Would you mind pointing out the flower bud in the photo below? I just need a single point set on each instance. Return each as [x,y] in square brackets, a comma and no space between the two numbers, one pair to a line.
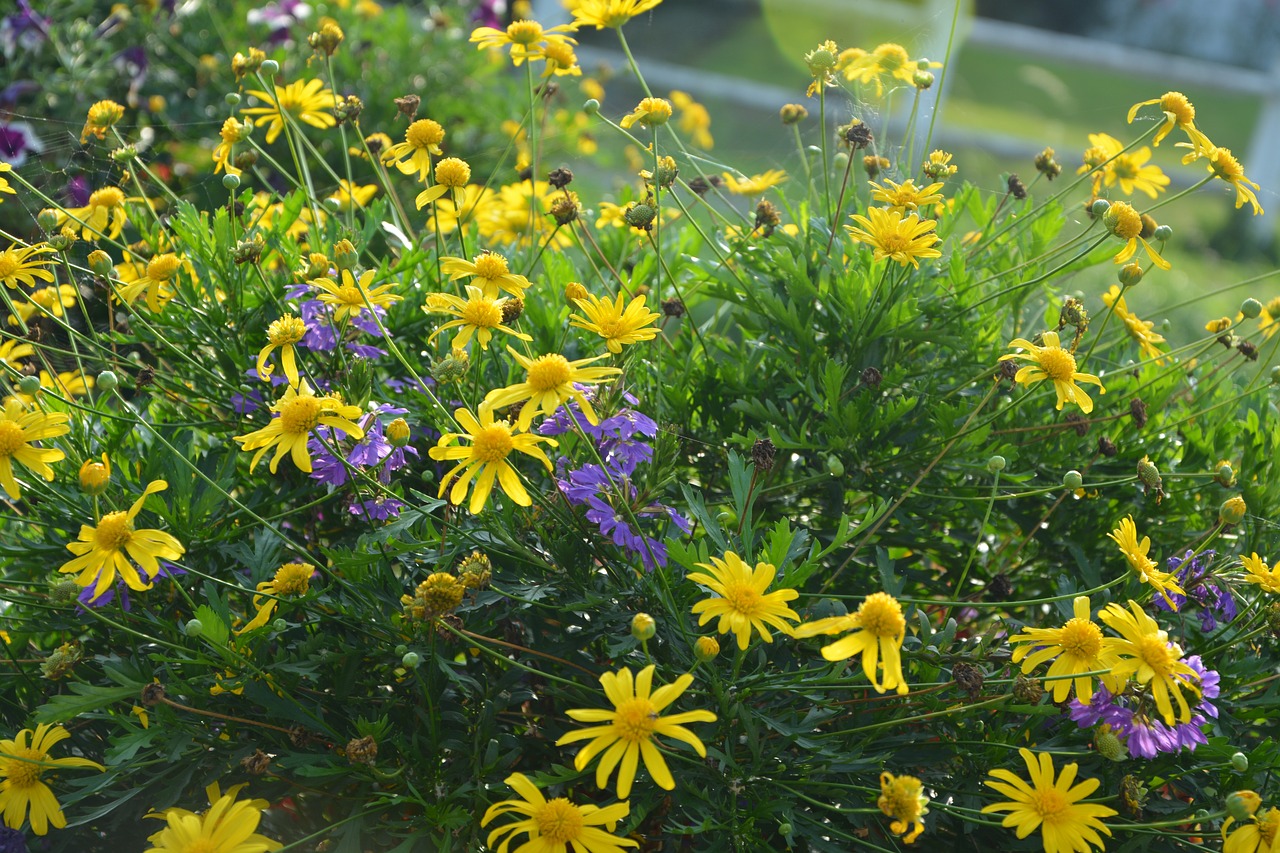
[29,384]
[922,80]
[232,99]
[1130,274]
[575,290]
[1233,510]
[194,628]
[401,649]
[1242,805]
[996,463]
[1100,206]
[231,182]
[100,262]
[643,626]
[398,432]
[344,255]
[269,68]
[411,660]
[834,466]
[1163,233]
[47,219]
[1108,745]
[95,476]
[279,625]
[591,106]
[1240,762]
[108,381]
[1250,308]
[705,649]
[1225,474]
[793,113]
[1072,480]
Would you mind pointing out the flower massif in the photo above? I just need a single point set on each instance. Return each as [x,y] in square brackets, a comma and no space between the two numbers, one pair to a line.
[298,412]
[23,762]
[551,826]
[877,630]
[1051,805]
[741,602]
[629,731]
[1051,361]
[485,459]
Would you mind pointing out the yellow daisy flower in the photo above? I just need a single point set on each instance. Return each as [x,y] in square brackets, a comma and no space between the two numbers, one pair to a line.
[413,156]
[1140,330]
[23,761]
[518,213]
[289,579]
[492,273]
[1256,835]
[1052,806]
[1269,319]
[18,428]
[4,182]
[741,601]
[102,116]
[349,194]
[905,241]
[14,349]
[465,205]
[44,302]
[309,102]
[1222,164]
[283,334]
[905,197]
[555,826]
[451,174]
[887,61]
[550,380]
[1053,362]
[526,38]
[1148,656]
[694,119]
[104,215]
[561,60]
[1260,573]
[232,132]
[477,315]
[486,459]
[903,799]
[1125,223]
[1078,647]
[22,265]
[1178,112]
[351,297]
[610,14]
[651,112]
[1126,536]
[101,550]
[155,280]
[754,185]
[1115,166]
[229,826]
[298,412]
[618,325]
[628,732]
[878,629]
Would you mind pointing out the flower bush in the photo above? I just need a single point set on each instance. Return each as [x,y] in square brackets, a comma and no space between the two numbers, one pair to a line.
[539,449]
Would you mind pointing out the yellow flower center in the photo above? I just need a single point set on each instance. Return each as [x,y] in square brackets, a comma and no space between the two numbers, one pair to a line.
[493,443]
[349,294]
[491,266]
[105,113]
[1267,827]
[106,197]
[743,599]
[292,579]
[482,313]
[162,267]
[1094,157]
[21,769]
[882,615]
[900,798]
[1123,221]
[286,331]
[203,845]
[1177,104]
[1059,364]
[1122,167]
[9,264]
[1048,803]
[1273,307]
[452,172]
[232,131]
[891,56]
[894,242]
[1226,166]
[1081,638]
[11,438]
[654,111]
[424,133]
[549,372]
[561,54]
[558,821]
[301,414]
[635,720]
[524,32]
[1155,653]
[94,476]
[114,531]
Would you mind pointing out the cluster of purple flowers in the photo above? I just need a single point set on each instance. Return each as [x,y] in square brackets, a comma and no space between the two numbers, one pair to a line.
[322,331]
[1145,736]
[606,489]
[371,452]
[1214,598]
[279,18]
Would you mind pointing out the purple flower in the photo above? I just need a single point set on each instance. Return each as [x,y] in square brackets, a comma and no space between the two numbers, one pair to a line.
[364,350]
[378,509]
[1213,597]
[17,140]
[243,404]
[326,467]
[78,191]
[86,599]
[12,841]
[279,17]
[24,29]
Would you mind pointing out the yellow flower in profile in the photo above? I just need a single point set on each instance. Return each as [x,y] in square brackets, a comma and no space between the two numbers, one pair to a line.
[616,323]
[555,826]
[351,297]
[939,165]
[231,133]
[561,60]
[741,601]
[550,381]
[888,61]
[526,38]
[1179,113]
[1140,330]
[1223,165]
[609,14]
[413,156]
[283,334]
[491,271]
[451,174]
[155,281]
[289,579]
[890,236]
[485,460]
[23,761]
[754,185]
[878,629]
[1126,536]
[4,182]
[1125,223]
[905,197]
[467,204]
[19,427]
[104,215]
[694,119]
[1115,166]
[903,799]
[229,826]
[309,102]
[101,550]
[298,412]
[627,732]
[478,315]
[1256,835]
[1076,649]
[12,350]
[349,194]
[1260,573]
[22,265]
[1052,806]
[1269,319]
[651,112]
[45,302]
[101,116]
[1051,361]
[1149,657]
